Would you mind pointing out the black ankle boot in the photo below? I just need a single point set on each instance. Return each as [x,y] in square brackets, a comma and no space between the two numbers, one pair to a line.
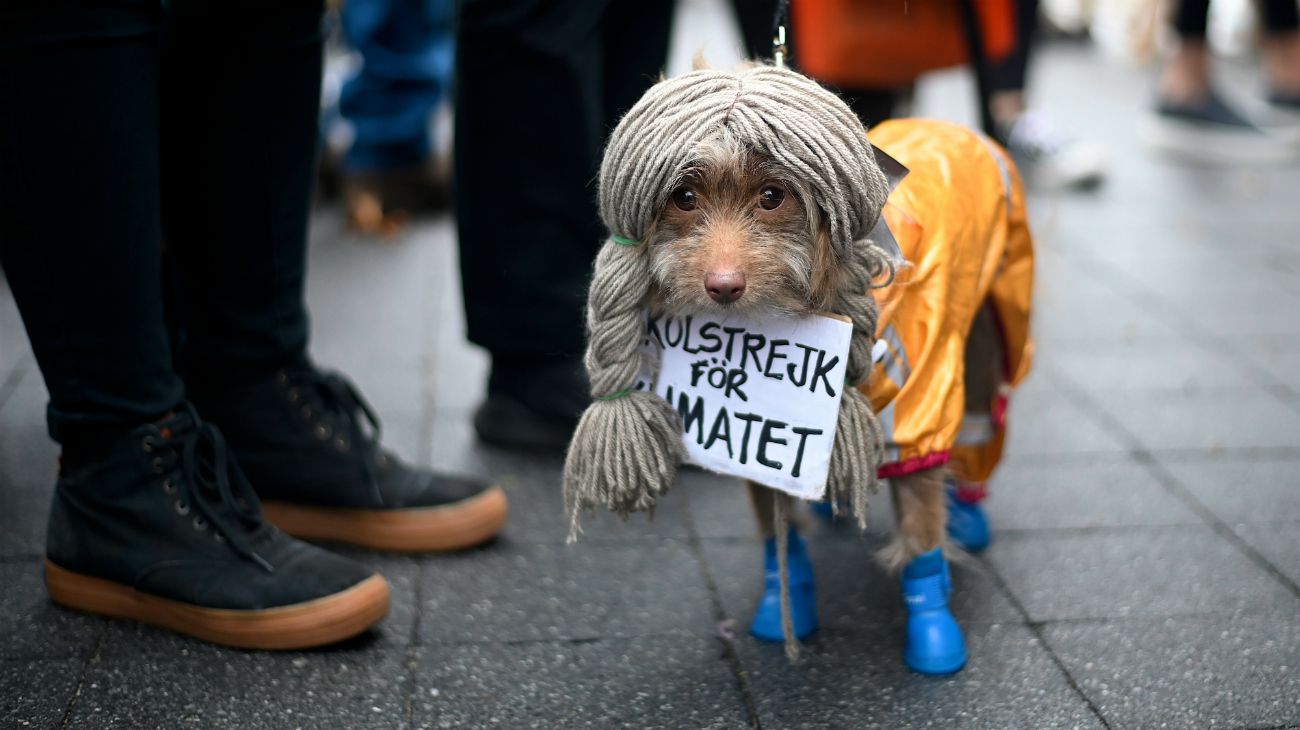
[310,446]
[159,525]
[533,403]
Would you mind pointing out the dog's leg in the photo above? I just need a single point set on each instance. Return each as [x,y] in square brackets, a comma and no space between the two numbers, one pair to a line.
[762,500]
[935,644]
[787,610]
[968,525]
[921,516]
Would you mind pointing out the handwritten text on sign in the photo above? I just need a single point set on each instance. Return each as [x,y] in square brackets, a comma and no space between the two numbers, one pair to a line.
[759,399]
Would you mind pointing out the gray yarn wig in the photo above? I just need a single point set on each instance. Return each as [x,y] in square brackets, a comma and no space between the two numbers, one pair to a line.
[627,447]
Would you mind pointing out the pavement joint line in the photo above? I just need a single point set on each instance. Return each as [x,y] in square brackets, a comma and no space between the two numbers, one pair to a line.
[720,615]
[1155,469]
[1036,629]
[1207,340]
[20,558]
[92,659]
[412,645]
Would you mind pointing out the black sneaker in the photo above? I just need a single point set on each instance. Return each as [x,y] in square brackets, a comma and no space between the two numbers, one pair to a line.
[310,446]
[1210,130]
[158,525]
[533,403]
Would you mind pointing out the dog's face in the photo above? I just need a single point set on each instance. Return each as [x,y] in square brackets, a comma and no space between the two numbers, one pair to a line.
[739,233]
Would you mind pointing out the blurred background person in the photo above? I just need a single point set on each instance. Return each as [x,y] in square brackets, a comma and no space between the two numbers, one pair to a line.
[1192,118]
[390,165]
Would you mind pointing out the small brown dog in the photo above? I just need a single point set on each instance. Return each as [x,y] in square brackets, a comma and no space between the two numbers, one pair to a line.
[736,237]
[738,234]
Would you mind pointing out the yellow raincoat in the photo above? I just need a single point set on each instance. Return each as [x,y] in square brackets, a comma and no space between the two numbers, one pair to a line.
[959,217]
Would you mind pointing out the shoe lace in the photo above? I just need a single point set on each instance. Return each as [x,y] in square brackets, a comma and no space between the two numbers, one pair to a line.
[338,404]
[212,483]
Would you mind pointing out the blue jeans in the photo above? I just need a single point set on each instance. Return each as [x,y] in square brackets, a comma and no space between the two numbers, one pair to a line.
[407,55]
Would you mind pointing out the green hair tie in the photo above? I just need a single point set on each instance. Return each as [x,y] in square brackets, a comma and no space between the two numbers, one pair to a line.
[615,396]
[624,240]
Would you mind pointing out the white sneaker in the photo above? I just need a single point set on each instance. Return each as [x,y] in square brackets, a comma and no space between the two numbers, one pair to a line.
[1049,157]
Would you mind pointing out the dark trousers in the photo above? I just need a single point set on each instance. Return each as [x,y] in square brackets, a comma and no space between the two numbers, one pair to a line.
[540,84]
[1191,17]
[122,127]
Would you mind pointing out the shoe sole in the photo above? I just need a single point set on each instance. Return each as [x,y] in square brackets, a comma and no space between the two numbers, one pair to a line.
[318,622]
[454,526]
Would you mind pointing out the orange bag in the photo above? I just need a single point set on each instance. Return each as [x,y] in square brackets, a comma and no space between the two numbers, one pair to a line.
[884,44]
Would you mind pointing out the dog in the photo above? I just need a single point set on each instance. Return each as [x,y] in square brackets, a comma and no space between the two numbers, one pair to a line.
[740,234]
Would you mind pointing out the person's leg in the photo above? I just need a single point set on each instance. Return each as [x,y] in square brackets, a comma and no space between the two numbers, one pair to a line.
[1008,76]
[79,233]
[407,52]
[539,85]
[238,154]
[1190,118]
[1281,45]
[1186,76]
[239,146]
[150,518]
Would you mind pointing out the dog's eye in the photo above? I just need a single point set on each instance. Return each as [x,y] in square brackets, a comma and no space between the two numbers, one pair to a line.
[770,197]
[684,198]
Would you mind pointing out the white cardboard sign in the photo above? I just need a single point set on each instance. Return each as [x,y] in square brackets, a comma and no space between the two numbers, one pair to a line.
[759,399]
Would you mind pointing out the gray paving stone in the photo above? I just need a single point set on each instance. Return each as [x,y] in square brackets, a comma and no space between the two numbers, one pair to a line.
[857,679]
[1085,310]
[208,687]
[1124,365]
[1045,422]
[853,590]
[33,627]
[1208,420]
[1108,491]
[1163,571]
[1186,673]
[1242,489]
[34,693]
[523,592]
[641,683]
[28,468]
[1278,542]
[14,347]
[1280,357]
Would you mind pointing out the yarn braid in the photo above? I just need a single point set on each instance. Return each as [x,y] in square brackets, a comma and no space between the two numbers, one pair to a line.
[627,446]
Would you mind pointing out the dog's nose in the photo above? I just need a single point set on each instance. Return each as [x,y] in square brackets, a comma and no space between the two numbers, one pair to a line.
[725,288]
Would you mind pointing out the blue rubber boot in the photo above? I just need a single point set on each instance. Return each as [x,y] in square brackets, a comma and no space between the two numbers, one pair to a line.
[803,593]
[824,510]
[968,526]
[935,644]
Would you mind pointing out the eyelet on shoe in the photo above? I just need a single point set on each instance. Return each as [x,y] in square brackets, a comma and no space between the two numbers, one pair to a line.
[294,395]
[182,508]
[306,413]
[323,431]
[146,443]
[282,378]
[342,444]
[200,524]
[157,465]
[168,487]
[218,537]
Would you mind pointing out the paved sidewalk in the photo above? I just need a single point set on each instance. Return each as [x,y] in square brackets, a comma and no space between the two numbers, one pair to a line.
[1144,573]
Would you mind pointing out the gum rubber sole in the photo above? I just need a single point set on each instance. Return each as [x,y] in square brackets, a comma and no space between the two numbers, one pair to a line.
[454,526]
[322,621]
